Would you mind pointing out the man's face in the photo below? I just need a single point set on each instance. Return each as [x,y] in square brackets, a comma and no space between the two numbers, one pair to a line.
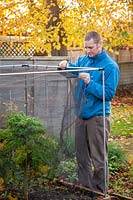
[92,48]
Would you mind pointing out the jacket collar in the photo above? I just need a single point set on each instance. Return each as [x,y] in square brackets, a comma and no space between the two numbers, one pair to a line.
[100,56]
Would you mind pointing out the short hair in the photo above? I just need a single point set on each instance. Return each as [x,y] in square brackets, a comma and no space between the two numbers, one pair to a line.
[92,35]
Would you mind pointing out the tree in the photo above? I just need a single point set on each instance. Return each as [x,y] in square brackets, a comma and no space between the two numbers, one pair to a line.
[51,26]
[55,26]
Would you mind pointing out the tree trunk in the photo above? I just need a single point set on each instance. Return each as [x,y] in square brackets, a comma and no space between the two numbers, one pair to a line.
[54,12]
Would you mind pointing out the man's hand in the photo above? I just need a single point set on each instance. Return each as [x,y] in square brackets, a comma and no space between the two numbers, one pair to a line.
[63,64]
[85,77]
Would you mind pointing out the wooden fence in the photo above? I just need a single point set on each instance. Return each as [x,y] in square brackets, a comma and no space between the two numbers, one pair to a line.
[126,68]
[30,94]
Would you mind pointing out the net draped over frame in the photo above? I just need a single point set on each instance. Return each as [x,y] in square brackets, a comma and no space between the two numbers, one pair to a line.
[47,96]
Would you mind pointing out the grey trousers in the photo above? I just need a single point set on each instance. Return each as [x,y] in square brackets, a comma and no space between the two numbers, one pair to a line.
[89,141]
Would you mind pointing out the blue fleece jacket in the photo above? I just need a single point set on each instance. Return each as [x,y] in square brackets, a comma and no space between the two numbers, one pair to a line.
[89,99]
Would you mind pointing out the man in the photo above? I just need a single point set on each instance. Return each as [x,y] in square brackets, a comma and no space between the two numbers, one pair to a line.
[89,131]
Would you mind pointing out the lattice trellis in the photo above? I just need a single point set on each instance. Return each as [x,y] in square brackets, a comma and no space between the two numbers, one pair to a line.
[15,49]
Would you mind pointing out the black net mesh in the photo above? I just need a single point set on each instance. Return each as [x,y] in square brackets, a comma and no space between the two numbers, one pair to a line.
[47,96]
[54,97]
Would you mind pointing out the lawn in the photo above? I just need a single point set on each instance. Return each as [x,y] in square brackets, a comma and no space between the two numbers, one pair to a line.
[122,123]
[122,120]
[122,134]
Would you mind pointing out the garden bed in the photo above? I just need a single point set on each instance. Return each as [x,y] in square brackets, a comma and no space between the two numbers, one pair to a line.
[62,190]
[120,184]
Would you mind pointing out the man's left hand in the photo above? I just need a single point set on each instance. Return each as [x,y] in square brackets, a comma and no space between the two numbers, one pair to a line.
[85,77]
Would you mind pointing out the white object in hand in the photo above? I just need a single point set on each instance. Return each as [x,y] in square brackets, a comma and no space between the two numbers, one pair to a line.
[63,64]
[85,76]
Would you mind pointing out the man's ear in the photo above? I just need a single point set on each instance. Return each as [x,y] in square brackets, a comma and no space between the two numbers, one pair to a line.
[100,43]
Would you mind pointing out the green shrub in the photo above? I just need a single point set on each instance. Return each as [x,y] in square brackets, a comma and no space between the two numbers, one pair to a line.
[25,151]
[68,147]
[68,170]
[116,157]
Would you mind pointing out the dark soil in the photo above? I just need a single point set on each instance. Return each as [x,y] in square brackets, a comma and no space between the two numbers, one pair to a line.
[57,191]
[60,191]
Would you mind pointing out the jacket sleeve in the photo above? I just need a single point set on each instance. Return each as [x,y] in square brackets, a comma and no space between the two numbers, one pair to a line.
[111,79]
[74,65]
[70,74]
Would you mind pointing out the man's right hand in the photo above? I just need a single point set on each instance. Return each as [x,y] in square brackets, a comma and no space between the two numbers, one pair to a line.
[63,64]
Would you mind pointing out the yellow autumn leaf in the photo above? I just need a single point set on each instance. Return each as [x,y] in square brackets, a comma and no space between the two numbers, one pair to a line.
[11,198]
[1,184]
[1,181]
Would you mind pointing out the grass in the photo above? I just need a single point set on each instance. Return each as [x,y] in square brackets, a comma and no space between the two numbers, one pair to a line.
[122,128]
[122,133]
[122,120]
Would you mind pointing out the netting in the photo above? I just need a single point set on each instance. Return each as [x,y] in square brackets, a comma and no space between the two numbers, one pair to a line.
[55,97]
[48,96]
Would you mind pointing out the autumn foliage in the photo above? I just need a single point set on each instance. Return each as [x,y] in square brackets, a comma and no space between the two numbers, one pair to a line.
[58,24]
